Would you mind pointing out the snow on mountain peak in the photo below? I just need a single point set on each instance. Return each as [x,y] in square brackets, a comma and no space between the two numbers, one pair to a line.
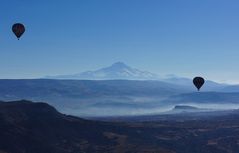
[119,65]
[118,70]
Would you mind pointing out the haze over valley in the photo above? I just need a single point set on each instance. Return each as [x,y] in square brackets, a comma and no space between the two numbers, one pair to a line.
[119,90]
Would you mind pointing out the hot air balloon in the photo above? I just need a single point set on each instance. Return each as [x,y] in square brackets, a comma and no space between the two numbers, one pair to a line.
[198,82]
[18,29]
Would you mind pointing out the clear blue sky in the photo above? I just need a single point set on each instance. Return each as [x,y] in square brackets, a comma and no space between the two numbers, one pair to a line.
[182,37]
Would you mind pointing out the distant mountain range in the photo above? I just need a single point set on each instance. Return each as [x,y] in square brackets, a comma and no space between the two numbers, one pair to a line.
[114,97]
[208,86]
[116,71]
[91,97]
[121,71]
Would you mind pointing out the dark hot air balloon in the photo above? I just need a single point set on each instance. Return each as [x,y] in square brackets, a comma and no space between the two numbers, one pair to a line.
[198,82]
[18,29]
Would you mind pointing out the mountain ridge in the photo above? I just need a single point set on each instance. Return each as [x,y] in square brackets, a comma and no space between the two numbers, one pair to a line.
[110,97]
[121,71]
[118,70]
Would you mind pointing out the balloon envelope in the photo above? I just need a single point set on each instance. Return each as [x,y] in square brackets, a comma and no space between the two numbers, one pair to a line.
[18,29]
[198,82]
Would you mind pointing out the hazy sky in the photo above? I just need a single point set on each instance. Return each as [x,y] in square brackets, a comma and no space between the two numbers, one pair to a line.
[182,37]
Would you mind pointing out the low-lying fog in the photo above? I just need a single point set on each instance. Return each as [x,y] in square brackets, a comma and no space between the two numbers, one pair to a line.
[107,107]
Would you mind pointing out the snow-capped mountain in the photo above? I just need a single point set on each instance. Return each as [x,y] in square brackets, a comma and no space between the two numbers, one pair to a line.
[118,70]
[121,71]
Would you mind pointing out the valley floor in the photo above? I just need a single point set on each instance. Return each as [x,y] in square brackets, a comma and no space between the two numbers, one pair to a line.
[27,127]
